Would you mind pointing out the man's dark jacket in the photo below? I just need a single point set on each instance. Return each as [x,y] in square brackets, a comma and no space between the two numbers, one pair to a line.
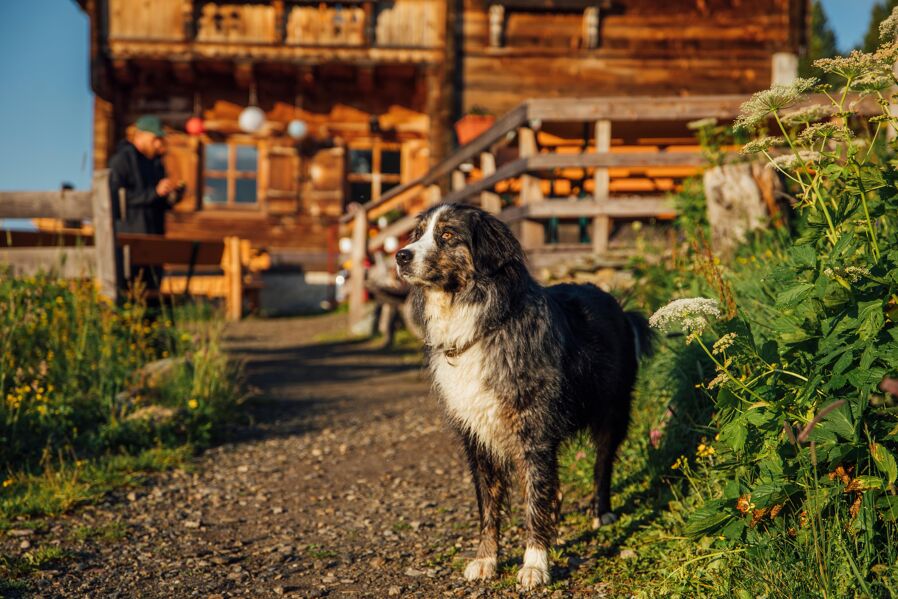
[137,175]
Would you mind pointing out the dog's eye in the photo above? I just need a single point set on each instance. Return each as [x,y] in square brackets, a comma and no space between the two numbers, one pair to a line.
[447,235]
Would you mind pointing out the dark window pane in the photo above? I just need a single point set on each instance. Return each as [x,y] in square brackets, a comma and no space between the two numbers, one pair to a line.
[245,192]
[359,161]
[359,192]
[215,191]
[247,158]
[390,162]
[386,186]
[217,157]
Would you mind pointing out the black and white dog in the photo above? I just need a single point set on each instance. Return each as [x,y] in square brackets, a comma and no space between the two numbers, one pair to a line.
[520,368]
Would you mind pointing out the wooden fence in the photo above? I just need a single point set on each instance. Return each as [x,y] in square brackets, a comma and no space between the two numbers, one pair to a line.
[109,257]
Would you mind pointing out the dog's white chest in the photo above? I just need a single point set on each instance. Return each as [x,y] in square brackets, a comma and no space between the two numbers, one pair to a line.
[470,403]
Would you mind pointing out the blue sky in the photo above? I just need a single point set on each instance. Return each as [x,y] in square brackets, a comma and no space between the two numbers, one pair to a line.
[45,98]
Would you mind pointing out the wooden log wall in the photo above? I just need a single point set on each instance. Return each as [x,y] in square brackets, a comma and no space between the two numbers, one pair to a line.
[644,47]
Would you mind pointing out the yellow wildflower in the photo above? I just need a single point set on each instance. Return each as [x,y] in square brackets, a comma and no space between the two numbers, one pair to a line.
[193,404]
[7,482]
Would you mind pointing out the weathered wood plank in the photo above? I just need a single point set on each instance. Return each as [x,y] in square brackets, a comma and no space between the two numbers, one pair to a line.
[626,207]
[605,159]
[65,262]
[66,205]
[148,250]
[104,236]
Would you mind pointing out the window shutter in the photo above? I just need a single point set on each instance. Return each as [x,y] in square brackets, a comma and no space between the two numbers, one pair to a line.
[323,191]
[181,162]
[281,179]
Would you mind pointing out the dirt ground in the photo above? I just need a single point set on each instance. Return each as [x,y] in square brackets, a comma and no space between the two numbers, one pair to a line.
[345,484]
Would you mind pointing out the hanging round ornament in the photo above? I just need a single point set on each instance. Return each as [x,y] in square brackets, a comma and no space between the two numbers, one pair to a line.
[297,129]
[251,119]
[195,126]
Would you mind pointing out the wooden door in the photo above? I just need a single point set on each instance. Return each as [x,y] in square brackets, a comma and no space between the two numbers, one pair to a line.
[280,178]
[181,165]
[323,189]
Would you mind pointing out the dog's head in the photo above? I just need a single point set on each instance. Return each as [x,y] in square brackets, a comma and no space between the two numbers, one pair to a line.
[453,245]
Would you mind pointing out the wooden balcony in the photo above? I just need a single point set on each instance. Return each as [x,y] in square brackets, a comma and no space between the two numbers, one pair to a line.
[278,30]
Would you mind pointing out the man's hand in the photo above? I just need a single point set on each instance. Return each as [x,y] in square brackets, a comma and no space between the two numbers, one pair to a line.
[164,187]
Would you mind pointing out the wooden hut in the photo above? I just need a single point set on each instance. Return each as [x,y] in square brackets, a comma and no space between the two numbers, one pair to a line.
[379,83]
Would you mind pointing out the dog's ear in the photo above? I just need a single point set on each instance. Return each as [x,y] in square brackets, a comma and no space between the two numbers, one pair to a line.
[492,243]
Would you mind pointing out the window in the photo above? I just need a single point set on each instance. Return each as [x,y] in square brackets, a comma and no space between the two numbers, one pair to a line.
[373,169]
[230,172]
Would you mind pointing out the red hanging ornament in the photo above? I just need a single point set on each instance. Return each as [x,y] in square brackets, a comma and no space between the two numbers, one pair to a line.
[195,126]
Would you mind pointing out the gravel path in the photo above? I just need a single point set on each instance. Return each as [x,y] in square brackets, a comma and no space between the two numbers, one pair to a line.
[346,484]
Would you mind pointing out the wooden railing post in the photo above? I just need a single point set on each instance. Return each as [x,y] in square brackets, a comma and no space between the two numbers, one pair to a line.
[357,272]
[601,225]
[532,232]
[104,236]
[458,180]
[489,201]
[434,195]
[233,270]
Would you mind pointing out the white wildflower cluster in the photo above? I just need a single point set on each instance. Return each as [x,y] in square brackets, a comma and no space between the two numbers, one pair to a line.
[702,123]
[761,144]
[849,273]
[692,314]
[888,29]
[718,380]
[819,131]
[764,103]
[722,344]
[793,161]
[808,114]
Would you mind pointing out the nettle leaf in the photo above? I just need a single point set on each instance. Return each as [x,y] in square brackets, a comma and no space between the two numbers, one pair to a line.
[803,256]
[794,294]
[885,461]
[709,518]
[871,317]
[838,422]
[866,380]
[734,434]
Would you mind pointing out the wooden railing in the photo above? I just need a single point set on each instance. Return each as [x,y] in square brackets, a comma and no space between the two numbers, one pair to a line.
[508,159]
[107,257]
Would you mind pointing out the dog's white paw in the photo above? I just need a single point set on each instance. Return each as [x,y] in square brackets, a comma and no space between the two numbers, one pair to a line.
[606,519]
[480,568]
[530,577]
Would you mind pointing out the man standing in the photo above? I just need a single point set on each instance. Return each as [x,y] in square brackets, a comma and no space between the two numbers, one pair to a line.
[141,193]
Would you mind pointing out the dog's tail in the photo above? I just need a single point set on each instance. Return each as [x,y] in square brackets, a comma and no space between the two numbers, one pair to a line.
[643,336]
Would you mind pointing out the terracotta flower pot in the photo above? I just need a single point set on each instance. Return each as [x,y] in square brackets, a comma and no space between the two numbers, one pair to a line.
[471,125]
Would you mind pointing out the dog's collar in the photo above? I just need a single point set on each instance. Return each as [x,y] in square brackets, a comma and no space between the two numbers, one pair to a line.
[455,350]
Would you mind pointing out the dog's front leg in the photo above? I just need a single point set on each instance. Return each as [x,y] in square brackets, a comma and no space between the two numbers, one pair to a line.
[540,471]
[489,483]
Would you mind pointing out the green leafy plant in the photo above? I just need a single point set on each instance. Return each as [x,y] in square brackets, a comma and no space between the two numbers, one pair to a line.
[803,457]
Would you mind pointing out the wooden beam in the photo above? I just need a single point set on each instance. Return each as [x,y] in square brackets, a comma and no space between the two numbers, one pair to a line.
[638,108]
[506,171]
[357,270]
[532,234]
[626,207]
[398,228]
[65,262]
[601,224]
[104,237]
[66,205]
[606,159]
[158,250]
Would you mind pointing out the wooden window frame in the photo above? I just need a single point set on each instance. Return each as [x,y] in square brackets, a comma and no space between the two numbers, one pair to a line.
[376,178]
[231,175]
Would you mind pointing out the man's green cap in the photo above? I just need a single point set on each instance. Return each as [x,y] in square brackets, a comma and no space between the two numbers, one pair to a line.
[150,124]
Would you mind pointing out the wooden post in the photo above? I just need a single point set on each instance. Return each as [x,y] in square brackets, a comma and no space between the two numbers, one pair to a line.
[458,180]
[532,232]
[233,277]
[601,225]
[497,24]
[489,201]
[357,272]
[783,68]
[104,236]
[434,195]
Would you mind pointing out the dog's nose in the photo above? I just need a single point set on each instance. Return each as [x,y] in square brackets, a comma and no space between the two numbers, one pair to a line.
[403,257]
